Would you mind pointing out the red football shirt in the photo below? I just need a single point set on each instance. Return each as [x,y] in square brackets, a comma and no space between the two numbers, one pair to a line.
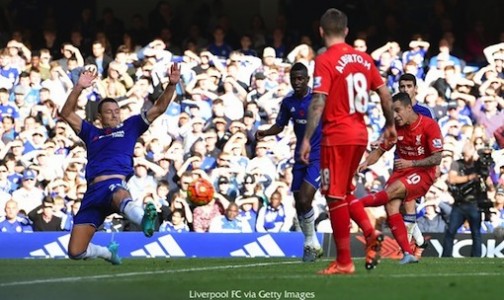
[346,76]
[418,140]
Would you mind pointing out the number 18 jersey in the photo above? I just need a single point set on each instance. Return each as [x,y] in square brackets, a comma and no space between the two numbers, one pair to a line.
[346,76]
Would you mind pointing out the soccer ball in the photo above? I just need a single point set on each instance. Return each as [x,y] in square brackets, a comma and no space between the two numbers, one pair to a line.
[200,192]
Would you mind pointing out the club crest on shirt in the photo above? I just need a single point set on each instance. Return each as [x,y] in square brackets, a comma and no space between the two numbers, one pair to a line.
[418,139]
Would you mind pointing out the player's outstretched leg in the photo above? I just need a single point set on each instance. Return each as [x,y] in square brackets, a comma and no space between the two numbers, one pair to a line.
[144,217]
[149,219]
[109,253]
[114,259]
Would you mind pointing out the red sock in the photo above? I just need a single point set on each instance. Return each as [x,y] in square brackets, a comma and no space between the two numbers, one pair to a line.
[376,199]
[398,229]
[359,215]
[340,222]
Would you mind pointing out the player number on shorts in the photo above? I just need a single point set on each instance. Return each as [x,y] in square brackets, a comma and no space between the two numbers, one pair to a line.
[413,178]
[358,96]
[325,179]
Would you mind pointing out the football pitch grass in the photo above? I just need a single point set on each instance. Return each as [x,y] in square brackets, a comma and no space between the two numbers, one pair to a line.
[248,278]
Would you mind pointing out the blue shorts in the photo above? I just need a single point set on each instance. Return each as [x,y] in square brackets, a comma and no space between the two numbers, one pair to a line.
[309,173]
[97,202]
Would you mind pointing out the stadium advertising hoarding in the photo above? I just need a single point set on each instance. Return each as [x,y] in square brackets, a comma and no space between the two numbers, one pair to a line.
[134,244]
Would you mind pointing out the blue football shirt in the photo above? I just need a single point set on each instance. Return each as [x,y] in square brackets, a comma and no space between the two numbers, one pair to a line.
[110,150]
[297,110]
[423,110]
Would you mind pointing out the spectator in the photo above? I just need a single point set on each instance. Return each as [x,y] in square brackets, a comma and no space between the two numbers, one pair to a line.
[230,222]
[13,222]
[99,58]
[204,214]
[141,180]
[28,196]
[273,217]
[43,217]
[177,224]
[433,220]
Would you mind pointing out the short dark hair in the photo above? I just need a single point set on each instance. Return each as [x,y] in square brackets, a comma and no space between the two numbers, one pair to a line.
[105,100]
[334,22]
[404,98]
[408,77]
[299,67]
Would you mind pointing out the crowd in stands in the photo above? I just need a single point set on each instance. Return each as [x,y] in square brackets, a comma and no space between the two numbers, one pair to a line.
[226,94]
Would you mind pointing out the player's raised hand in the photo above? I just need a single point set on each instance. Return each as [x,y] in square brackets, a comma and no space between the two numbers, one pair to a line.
[174,74]
[305,151]
[88,76]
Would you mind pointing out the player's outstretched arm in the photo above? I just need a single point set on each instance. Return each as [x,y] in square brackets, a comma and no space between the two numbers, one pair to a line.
[273,130]
[166,97]
[86,79]
[371,159]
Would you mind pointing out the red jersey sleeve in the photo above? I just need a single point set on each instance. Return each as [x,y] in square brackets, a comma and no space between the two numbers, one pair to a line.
[322,75]
[376,79]
[434,137]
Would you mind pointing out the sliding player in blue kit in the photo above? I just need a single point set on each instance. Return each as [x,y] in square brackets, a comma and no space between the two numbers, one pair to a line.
[110,164]
[306,178]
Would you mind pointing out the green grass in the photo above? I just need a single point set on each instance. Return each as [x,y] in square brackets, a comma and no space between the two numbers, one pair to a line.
[145,279]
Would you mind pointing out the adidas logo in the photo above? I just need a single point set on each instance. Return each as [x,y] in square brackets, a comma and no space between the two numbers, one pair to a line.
[264,247]
[56,249]
[165,246]
[389,249]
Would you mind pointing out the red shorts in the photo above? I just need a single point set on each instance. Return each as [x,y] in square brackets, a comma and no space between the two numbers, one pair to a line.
[338,165]
[417,182]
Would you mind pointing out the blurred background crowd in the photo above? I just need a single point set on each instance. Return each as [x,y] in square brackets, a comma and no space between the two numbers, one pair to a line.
[233,80]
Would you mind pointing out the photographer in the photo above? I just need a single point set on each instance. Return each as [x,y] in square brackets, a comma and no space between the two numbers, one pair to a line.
[468,182]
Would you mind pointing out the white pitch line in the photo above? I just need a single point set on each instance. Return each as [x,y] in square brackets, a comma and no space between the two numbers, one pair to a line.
[373,274]
[130,274]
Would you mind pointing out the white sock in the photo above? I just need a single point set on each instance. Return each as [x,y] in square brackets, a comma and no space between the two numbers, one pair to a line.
[417,235]
[307,223]
[410,227]
[133,212]
[94,251]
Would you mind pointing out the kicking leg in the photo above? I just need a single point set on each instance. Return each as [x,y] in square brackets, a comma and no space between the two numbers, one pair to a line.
[144,217]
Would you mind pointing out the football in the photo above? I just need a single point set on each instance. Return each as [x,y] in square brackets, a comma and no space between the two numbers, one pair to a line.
[200,192]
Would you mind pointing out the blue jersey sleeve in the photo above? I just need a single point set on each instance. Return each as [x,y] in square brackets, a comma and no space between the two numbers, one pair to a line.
[284,115]
[85,131]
